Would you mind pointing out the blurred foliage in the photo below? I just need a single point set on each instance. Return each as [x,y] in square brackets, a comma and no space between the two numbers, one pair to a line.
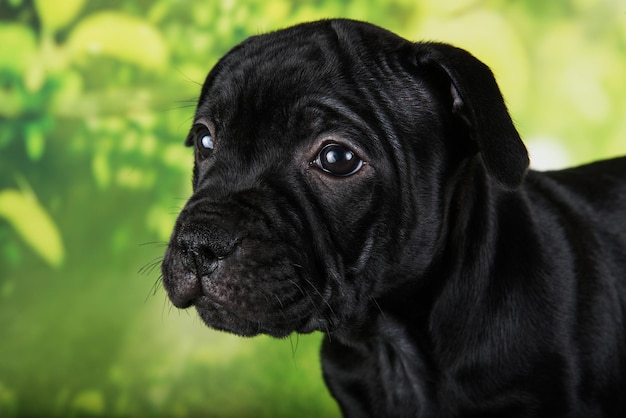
[95,101]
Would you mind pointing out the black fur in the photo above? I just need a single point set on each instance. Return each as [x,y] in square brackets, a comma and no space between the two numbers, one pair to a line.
[448,279]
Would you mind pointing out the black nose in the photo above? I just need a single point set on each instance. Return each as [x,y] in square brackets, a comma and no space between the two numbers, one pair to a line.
[194,252]
[202,245]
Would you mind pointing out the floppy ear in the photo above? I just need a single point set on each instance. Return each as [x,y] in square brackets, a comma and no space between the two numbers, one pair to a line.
[478,102]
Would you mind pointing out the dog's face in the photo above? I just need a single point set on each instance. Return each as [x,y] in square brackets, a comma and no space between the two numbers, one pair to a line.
[323,154]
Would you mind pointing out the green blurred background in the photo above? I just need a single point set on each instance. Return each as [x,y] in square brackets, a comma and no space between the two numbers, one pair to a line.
[95,101]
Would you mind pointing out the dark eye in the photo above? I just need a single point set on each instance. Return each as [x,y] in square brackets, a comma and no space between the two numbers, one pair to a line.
[338,160]
[203,141]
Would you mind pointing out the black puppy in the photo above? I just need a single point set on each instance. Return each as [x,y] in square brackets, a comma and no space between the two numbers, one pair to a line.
[351,182]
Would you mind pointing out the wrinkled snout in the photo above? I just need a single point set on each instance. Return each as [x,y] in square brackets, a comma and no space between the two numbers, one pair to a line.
[194,253]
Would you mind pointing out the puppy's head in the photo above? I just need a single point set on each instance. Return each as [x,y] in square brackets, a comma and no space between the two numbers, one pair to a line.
[322,156]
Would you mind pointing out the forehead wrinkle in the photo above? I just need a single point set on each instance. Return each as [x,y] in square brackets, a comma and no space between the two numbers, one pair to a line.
[257,85]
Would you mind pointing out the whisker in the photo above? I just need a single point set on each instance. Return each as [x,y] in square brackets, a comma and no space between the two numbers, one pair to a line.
[298,287]
[154,243]
[327,332]
[328,318]
[154,290]
[294,349]
[179,71]
[280,302]
[297,344]
[182,106]
[373,300]
[321,296]
[186,122]
[149,267]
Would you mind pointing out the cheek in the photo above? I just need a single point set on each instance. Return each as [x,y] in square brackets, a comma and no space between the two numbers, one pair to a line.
[194,180]
[353,214]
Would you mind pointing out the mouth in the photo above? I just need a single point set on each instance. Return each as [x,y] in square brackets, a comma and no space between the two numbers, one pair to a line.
[263,284]
[247,295]
[275,323]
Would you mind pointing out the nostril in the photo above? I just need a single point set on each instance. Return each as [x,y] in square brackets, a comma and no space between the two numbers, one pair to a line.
[201,246]
[185,290]
[218,241]
[194,253]
[200,260]
[181,279]
[204,240]
[221,250]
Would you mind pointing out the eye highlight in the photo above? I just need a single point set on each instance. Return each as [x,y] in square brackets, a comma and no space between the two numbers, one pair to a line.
[203,141]
[337,160]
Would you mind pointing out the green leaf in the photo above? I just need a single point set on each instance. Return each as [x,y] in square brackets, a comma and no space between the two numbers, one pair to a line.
[119,36]
[33,224]
[55,15]
[89,402]
[35,142]
[19,47]
[8,398]
[101,170]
